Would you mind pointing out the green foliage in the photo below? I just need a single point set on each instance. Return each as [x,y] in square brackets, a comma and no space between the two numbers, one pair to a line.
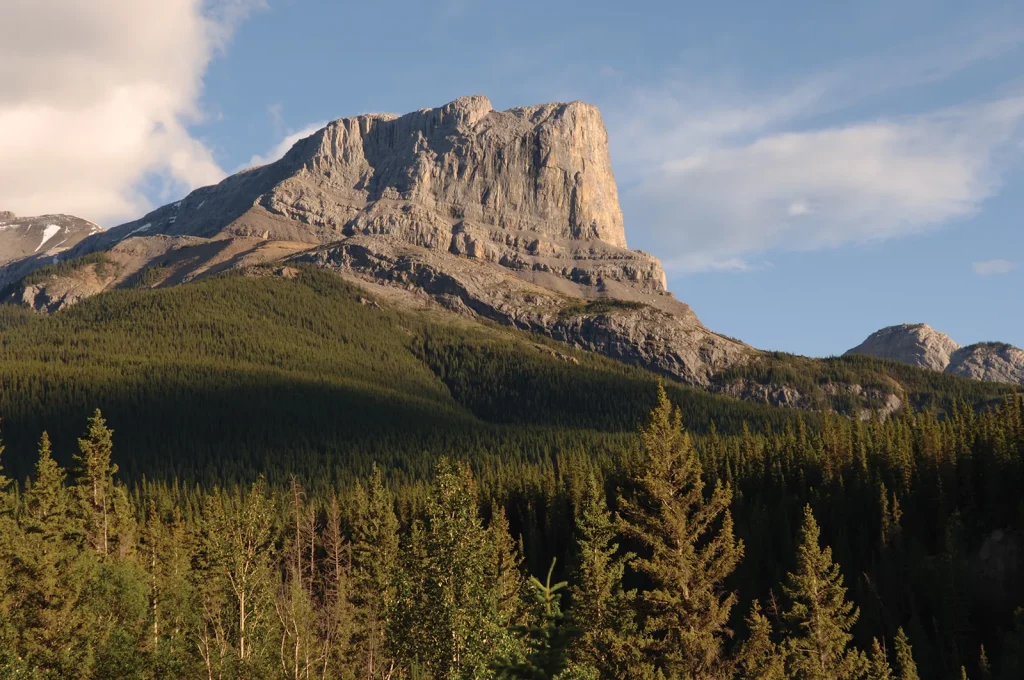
[686,550]
[603,611]
[332,568]
[906,668]
[219,381]
[819,618]
[546,638]
[759,657]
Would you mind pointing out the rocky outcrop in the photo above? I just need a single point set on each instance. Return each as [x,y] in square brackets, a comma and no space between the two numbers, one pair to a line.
[921,345]
[991,361]
[917,344]
[43,236]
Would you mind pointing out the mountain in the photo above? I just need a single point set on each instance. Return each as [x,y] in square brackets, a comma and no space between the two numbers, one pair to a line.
[923,346]
[509,215]
[504,216]
[43,236]
[917,344]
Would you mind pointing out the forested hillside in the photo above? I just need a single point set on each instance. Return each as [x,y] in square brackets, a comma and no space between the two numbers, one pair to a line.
[234,376]
[291,478]
[882,551]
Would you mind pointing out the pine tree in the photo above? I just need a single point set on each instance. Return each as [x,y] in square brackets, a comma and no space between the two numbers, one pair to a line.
[95,488]
[610,641]
[546,638]
[819,618]
[878,664]
[374,561]
[984,669]
[687,550]
[52,576]
[507,564]
[759,658]
[906,669]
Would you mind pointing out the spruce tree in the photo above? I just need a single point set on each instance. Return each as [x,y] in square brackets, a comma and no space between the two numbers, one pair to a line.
[878,664]
[602,611]
[819,618]
[95,488]
[52,576]
[906,669]
[759,657]
[686,550]
[546,637]
[373,574]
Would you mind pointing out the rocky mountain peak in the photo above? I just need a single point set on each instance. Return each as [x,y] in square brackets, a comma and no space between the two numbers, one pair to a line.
[917,344]
[43,236]
[921,345]
[510,215]
[529,189]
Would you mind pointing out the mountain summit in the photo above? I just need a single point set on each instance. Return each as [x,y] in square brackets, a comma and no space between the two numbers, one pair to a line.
[508,215]
[531,189]
[923,346]
[42,236]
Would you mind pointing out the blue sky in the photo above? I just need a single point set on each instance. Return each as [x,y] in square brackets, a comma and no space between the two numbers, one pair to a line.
[809,172]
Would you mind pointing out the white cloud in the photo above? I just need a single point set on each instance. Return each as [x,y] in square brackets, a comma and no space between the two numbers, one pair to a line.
[96,95]
[282,147]
[798,208]
[990,267]
[715,174]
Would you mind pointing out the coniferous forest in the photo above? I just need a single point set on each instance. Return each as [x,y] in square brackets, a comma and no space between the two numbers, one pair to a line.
[308,485]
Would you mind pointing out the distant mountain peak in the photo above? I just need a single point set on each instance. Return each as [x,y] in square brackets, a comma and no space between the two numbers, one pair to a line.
[43,235]
[918,344]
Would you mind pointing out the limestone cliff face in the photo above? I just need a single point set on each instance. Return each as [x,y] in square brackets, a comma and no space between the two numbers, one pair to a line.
[530,189]
[42,236]
[543,170]
[923,346]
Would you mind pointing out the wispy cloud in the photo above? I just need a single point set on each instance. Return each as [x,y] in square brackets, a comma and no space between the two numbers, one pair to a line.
[104,99]
[991,267]
[717,174]
[282,147]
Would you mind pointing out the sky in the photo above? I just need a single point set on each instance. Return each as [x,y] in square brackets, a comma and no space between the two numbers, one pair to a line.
[808,172]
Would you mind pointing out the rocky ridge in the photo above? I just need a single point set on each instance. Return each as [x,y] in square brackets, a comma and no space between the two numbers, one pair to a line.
[43,236]
[923,346]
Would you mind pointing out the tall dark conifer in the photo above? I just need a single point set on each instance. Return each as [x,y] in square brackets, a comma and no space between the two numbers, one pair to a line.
[686,550]
[819,617]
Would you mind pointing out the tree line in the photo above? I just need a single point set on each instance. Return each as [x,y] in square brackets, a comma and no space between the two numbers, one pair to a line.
[871,551]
